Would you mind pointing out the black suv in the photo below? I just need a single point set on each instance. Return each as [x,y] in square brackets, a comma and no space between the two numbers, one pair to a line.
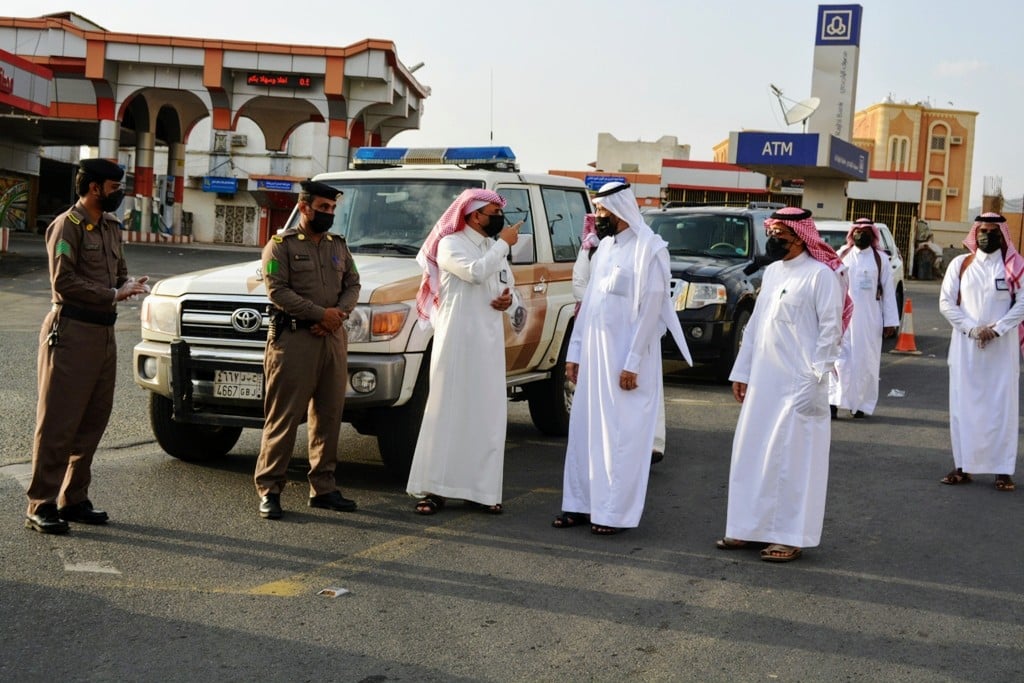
[717,260]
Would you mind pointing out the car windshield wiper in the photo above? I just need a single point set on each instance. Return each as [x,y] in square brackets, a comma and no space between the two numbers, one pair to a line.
[686,252]
[386,246]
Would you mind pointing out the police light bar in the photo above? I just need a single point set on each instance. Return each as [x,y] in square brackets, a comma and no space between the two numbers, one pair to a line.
[496,158]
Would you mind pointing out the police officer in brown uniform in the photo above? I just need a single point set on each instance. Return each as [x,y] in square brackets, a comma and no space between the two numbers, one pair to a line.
[77,358]
[313,285]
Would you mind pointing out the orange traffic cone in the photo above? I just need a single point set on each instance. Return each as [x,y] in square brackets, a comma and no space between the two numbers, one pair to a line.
[905,342]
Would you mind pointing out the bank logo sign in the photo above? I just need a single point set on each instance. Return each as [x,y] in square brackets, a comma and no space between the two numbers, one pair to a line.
[838,25]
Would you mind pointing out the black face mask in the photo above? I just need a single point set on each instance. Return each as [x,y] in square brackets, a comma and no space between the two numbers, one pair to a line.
[322,222]
[494,224]
[862,239]
[111,201]
[777,248]
[990,242]
[604,226]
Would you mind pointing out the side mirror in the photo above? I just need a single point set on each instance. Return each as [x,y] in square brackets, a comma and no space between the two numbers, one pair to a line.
[758,262]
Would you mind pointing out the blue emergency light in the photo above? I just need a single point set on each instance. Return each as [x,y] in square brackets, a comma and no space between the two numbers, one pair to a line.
[495,158]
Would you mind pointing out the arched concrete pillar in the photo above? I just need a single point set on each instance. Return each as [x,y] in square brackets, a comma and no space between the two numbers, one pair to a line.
[337,153]
[110,139]
[144,141]
[176,186]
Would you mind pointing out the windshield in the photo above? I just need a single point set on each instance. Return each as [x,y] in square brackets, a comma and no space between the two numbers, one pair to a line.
[703,234]
[391,216]
[834,238]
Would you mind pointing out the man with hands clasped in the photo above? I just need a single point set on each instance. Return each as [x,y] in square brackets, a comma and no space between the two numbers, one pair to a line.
[313,285]
[981,299]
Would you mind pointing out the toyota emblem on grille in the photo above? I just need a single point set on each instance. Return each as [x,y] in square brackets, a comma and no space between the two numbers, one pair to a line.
[246,320]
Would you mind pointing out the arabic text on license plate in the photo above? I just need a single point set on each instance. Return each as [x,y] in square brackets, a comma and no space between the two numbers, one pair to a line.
[238,384]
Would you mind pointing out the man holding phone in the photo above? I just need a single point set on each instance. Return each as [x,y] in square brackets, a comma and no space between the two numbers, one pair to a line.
[467,286]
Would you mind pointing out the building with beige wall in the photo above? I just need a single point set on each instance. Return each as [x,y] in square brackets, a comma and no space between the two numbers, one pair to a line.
[936,143]
[620,156]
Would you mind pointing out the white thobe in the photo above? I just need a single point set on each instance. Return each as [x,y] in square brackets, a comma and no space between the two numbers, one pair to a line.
[983,383]
[611,431]
[460,452]
[580,278]
[779,471]
[855,384]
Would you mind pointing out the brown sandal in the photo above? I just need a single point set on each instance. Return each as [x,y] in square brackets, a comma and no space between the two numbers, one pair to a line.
[1004,483]
[777,552]
[429,504]
[495,509]
[570,519]
[726,543]
[957,476]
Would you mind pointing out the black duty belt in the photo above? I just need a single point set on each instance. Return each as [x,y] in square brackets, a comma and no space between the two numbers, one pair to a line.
[296,323]
[85,315]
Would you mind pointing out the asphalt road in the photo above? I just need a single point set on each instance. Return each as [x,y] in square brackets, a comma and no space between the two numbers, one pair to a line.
[914,581]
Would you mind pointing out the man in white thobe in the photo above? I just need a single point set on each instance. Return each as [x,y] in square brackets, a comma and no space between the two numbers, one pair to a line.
[589,241]
[854,387]
[981,298]
[467,285]
[614,357]
[779,471]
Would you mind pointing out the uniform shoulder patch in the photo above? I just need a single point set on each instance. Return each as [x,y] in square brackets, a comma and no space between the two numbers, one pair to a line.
[63,248]
[273,266]
[277,238]
[74,219]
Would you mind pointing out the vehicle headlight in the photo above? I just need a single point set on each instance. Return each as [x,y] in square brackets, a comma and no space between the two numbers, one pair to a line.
[160,314]
[376,323]
[701,294]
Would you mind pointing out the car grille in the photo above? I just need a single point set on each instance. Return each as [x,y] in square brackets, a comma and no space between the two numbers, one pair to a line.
[224,320]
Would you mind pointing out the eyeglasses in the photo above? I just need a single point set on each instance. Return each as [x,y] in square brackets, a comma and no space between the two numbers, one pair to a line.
[780,232]
[499,212]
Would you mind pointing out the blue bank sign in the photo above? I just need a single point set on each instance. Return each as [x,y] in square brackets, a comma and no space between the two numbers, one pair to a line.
[594,182]
[838,25]
[800,155]
[849,159]
[223,185]
[783,149]
[275,185]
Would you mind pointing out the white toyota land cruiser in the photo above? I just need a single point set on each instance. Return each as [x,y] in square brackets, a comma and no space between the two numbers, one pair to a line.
[203,333]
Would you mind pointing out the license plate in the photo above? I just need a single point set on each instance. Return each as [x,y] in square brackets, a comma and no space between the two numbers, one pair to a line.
[238,384]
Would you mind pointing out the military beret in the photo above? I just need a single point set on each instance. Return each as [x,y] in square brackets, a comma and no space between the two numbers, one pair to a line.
[316,189]
[101,168]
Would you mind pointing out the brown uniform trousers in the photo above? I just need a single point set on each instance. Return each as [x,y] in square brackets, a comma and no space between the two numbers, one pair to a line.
[77,366]
[306,375]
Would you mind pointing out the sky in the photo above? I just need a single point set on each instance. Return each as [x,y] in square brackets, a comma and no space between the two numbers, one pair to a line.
[546,76]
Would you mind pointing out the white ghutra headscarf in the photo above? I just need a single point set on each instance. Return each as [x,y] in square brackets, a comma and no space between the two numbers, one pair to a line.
[618,198]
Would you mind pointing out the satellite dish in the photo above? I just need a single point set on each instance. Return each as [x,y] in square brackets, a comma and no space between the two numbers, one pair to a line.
[802,110]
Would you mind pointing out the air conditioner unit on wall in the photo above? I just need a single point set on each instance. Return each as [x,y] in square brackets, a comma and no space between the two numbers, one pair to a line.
[956,140]
[952,191]
[239,140]
[220,142]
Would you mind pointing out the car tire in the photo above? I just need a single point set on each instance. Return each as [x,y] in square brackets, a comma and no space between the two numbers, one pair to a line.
[739,326]
[188,442]
[398,429]
[551,400]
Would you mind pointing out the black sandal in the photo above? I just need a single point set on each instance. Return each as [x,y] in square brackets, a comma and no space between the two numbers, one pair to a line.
[429,504]
[570,519]
[957,476]
[495,509]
